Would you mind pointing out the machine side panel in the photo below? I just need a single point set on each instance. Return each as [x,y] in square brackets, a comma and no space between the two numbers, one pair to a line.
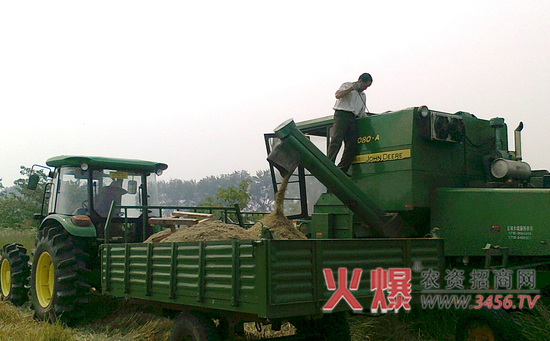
[399,166]
[470,219]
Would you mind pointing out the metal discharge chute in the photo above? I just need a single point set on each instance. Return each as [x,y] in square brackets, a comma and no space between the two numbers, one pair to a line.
[296,149]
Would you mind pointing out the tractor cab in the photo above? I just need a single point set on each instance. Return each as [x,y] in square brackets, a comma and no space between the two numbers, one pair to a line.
[88,186]
[91,191]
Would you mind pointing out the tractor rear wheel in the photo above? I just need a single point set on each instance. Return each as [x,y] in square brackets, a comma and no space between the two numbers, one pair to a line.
[57,286]
[14,273]
[194,327]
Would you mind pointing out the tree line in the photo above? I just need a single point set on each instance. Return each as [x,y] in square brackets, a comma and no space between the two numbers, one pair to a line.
[253,193]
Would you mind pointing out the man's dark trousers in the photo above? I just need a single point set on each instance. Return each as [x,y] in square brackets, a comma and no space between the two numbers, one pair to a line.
[344,129]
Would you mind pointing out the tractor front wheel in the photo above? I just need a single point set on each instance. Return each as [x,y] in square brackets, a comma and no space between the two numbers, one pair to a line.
[14,273]
[57,286]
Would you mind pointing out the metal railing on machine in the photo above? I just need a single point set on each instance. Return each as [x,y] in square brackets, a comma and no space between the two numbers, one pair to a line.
[228,215]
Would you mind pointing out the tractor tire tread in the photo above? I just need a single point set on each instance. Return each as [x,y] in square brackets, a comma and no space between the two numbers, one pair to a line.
[69,268]
[17,257]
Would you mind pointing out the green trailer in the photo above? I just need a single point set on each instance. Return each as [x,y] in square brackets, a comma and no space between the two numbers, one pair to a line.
[265,281]
[100,211]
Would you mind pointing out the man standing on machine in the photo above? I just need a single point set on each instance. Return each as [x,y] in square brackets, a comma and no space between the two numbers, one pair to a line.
[351,103]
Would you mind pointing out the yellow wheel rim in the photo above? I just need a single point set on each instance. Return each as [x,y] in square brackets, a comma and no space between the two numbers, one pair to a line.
[5,277]
[44,279]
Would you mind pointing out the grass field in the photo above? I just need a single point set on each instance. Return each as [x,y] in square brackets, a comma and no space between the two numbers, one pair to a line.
[23,236]
[122,324]
[127,322]
[121,321]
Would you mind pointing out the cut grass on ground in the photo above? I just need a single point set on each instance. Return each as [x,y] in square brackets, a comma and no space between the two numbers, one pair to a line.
[118,320]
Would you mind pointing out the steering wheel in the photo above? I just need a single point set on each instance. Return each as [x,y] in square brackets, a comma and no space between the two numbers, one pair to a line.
[83,210]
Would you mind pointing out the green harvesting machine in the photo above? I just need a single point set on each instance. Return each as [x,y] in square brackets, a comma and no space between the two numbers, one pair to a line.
[421,173]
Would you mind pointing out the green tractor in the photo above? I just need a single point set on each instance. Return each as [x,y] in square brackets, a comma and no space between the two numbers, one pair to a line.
[65,267]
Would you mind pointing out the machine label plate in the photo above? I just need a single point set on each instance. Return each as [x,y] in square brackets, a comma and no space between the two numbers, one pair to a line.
[384,156]
[520,232]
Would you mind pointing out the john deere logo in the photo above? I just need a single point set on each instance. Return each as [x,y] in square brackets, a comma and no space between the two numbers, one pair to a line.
[384,156]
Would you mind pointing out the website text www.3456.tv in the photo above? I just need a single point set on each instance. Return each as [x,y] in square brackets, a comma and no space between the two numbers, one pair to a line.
[489,289]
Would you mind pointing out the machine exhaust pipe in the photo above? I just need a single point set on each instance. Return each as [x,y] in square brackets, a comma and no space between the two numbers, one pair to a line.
[517,141]
[512,169]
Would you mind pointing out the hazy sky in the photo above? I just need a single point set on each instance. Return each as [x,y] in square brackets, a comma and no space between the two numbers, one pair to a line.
[195,84]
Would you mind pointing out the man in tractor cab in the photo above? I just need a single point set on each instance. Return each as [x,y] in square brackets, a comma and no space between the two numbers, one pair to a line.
[351,103]
[107,195]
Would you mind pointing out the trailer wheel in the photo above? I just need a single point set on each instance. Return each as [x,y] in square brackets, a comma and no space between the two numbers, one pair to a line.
[194,327]
[487,325]
[223,328]
[331,327]
[14,273]
[58,269]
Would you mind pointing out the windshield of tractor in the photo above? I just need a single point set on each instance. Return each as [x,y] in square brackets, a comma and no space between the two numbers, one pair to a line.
[122,187]
[70,187]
